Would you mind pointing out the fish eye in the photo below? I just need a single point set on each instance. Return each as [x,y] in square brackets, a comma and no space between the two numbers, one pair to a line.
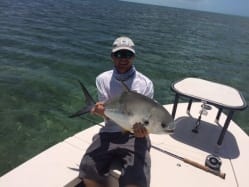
[163,125]
[146,122]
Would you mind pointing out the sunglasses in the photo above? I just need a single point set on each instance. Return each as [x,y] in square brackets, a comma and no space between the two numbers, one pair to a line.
[123,54]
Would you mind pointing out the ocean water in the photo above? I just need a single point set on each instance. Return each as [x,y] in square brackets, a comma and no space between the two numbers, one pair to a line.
[47,45]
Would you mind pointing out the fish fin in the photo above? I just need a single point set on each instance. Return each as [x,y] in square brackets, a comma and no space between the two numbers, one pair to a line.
[125,86]
[82,111]
[73,169]
[88,100]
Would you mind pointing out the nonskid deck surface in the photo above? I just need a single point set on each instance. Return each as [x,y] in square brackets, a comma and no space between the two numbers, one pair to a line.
[197,146]
[58,165]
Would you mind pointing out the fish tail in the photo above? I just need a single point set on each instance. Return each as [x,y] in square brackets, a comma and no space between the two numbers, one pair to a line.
[88,100]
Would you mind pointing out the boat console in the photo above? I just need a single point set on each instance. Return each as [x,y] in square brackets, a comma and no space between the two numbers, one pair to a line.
[210,93]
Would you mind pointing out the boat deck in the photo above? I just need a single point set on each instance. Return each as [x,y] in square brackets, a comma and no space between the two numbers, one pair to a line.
[58,165]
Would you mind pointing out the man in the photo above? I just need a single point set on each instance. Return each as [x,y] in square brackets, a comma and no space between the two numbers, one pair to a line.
[112,142]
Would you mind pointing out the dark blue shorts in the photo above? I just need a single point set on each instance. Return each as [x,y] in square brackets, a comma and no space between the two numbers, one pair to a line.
[131,152]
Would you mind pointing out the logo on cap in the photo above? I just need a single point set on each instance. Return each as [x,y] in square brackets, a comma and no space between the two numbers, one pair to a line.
[123,43]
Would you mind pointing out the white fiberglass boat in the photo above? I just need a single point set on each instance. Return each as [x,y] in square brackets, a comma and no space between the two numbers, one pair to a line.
[207,148]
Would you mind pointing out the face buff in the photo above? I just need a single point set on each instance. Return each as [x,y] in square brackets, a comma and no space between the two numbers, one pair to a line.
[124,76]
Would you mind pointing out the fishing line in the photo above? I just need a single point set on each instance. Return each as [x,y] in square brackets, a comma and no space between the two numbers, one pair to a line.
[186,160]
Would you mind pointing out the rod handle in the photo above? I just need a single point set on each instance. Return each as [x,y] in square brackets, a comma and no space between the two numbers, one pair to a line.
[205,168]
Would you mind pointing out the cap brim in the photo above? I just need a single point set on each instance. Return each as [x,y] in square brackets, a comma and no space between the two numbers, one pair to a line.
[123,48]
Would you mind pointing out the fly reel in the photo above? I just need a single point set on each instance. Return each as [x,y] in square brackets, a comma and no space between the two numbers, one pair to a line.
[213,162]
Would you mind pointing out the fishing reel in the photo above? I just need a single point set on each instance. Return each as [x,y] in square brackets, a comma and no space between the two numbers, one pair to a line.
[213,162]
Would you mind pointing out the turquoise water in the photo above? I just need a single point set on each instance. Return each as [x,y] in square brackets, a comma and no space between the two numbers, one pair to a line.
[47,45]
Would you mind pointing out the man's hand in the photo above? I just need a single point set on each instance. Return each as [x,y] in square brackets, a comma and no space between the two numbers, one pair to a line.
[139,130]
[98,109]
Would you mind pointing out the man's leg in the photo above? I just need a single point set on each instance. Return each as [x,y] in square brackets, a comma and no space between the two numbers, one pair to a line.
[96,161]
[91,183]
[137,163]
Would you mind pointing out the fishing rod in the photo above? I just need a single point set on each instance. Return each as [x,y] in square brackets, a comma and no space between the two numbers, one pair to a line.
[193,163]
[186,160]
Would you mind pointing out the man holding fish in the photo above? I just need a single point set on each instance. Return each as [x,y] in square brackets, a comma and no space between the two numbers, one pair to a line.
[130,113]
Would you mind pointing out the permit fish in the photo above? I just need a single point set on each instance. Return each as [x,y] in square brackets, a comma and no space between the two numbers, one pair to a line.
[130,108]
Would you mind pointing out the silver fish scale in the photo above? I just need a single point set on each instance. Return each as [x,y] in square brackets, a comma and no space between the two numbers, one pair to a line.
[131,107]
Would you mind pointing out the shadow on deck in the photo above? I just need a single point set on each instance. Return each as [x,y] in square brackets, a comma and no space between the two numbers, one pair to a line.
[206,138]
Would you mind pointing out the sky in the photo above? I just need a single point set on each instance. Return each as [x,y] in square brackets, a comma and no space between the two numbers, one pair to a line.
[234,7]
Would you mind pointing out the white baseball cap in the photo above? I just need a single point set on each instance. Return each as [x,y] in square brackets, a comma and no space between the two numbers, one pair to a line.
[123,43]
